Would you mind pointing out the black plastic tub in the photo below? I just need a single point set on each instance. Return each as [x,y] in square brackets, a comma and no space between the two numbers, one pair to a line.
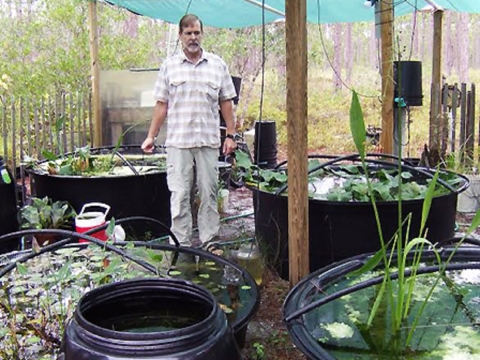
[233,287]
[149,319]
[127,195]
[8,208]
[338,230]
[333,295]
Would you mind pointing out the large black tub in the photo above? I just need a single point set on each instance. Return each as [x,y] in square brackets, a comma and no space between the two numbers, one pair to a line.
[341,229]
[72,268]
[130,193]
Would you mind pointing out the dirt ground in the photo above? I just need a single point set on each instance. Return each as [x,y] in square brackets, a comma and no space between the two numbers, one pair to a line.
[267,336]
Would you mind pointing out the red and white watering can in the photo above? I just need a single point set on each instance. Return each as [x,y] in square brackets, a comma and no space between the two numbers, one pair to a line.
[87,220]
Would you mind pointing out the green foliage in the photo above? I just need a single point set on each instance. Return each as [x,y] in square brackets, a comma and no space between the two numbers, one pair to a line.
[45,214]
[259,351]
[349,181]
[46,44]
[398,298]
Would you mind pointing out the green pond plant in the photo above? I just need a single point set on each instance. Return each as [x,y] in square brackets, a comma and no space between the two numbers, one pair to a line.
[400,322]
[39,295]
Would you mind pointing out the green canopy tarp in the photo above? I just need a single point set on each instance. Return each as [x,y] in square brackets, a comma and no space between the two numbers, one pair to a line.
[244,13]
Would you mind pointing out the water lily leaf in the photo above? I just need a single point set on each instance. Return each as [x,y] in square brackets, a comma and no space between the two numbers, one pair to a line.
[49,155]
[22,269]
[242,159]
[66,170]
[66,251]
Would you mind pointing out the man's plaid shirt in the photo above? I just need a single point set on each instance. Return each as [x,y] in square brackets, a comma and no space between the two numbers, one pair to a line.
[193,93]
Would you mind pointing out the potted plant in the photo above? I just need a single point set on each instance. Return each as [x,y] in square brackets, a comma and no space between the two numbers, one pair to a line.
[44,213]
[410,300]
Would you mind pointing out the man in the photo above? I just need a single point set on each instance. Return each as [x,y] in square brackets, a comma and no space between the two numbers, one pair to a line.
[189,89]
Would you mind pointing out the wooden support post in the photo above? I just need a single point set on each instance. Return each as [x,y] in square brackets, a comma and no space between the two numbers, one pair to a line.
[95,69]
[436,91]
[463,122]
[444,121]
[297,123]
[386,29]
[470,128]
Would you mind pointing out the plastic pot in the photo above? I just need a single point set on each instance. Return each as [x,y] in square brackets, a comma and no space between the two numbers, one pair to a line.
[149,319]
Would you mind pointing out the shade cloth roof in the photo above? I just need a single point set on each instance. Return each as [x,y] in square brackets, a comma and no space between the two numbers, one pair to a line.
[244,13]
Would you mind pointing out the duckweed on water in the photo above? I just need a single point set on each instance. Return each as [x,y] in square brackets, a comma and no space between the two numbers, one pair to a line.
[39,296]
[447,330]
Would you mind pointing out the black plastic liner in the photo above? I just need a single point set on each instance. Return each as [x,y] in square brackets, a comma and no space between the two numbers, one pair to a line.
[307,296]
[338,230]
[130,195]
[118,320]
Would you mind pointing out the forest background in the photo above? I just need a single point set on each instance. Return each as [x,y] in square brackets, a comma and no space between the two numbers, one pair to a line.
[45,50]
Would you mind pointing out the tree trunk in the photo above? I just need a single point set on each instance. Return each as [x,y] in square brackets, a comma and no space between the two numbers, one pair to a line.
[373,48]
[462,41]
[349,53]
[337,56]
[448,47]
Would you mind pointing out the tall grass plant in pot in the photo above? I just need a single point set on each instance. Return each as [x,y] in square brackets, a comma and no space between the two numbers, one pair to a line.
[410,300]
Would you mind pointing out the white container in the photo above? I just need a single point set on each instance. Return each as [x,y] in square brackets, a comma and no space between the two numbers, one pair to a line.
[469,200]
[87,220]
[223,196]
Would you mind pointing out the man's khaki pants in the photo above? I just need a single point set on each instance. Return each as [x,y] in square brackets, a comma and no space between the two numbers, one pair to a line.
[180,176]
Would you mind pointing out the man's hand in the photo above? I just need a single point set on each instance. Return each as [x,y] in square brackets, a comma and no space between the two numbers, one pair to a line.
[229,146]
[148,144]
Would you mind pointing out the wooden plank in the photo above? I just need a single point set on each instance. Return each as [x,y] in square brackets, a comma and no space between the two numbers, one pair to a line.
[28,127]
[63,110]
[14,133]
[90,119]
[4,128]
[435,104]
[79,119]
[95,68]
[20,128]
[52,111]
[72,123]
[43,120]
[472,123]
[455,105]
[463,122]
[444,124]
[36,125]
[386,30]
[469,130]
[297,124]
